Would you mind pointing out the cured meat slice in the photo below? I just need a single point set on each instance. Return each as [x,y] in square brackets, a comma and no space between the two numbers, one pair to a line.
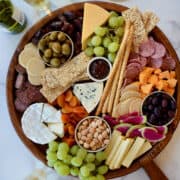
[136,60]
[168,63]
[147,49]
[21,107]
[132,73]
[143,61]
[19,81]
[136,65]
[20,69]
[160,50]
[156,63]
[133,55]
[127,81]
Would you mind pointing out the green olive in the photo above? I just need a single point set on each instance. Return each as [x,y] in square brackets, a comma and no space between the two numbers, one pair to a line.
[46,60]
[42,44]
[48,53]
[66,49]
[53,36]
[68,41]
[56,47]
[61,36]
[56,54]
[55,62]
[50,44]
[47,38]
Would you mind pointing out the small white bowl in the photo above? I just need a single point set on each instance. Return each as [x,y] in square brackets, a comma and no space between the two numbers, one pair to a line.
[77,127]
[172,99]
[95,59]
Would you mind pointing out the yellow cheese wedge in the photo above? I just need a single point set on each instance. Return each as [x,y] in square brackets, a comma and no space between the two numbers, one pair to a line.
[136,147]
[146,147]
[121,153]
[113,139]
[114,149]
[93,17]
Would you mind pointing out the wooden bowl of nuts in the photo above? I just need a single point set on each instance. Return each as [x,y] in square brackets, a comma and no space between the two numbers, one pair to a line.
[55,48]
[93,133]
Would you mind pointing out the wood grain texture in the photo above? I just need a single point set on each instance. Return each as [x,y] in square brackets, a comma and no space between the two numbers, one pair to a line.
[38,150]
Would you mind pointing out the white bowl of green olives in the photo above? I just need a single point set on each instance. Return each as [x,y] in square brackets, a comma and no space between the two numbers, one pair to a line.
[55,48]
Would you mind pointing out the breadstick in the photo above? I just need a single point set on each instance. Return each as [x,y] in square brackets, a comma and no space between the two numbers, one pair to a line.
[113,71]
[105,106]
[116,78]
[121,76]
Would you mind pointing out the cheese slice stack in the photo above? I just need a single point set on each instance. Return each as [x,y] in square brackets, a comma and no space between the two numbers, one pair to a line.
[123,151]
[94,16]
[88,94]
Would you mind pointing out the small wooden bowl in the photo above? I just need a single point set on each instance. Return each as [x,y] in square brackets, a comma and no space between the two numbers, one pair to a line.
[38,150]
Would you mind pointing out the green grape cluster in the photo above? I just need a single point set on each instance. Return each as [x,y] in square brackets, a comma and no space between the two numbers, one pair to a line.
[106,39]
[76,161]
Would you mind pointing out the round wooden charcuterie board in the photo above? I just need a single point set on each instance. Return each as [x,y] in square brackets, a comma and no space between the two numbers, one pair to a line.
[39,150]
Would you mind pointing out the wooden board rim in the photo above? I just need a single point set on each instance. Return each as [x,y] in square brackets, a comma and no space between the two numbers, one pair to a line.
[37,149]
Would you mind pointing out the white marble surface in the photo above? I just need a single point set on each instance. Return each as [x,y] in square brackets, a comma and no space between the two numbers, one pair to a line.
[16,161]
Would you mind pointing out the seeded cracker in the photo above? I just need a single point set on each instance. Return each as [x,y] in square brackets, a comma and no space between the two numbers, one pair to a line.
[52,93]
[62,76]
[133,15]
[150,20]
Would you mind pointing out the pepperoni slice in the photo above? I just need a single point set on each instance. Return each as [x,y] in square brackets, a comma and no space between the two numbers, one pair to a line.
[143,61]
[168,63]
[126,82]
[160,50]
[147,48]
[132,73]
[156,63]
[133,55]
[135,65]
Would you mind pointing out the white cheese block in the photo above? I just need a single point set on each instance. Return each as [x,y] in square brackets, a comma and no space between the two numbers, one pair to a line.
[112,141]
[32,126]
[146,147]
[138,144]
[89,94]
[114,149]
[57,128]
[121,153]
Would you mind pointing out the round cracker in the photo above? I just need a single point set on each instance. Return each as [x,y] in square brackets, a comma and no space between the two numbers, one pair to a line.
[34,80]
[135,105]
[122,108]
[29,51]
[133,86]
[129,94]
[35,66]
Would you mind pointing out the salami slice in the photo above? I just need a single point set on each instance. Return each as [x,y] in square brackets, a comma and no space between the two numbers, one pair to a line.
[132,73]
[143,61]
[126,82]
[147,48]
[156,63]
[135,60]
[133,55]
[168,63]
[159,52]
[136,65]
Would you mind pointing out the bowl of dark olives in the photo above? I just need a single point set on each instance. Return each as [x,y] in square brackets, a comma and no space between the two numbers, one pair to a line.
[160,108]
[55,48]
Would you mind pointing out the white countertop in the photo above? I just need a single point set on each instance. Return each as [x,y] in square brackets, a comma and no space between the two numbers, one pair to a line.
[16,161]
